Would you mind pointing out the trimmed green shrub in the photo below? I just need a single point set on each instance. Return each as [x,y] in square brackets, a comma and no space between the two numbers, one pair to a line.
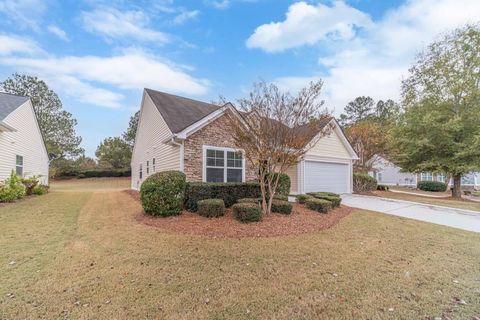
[280,197]
[283,186]
[320,205]
[162,193]
[211,208]
[382,187]
[40,190]
[434,186]
[230,193]
[321,194]
[13,189]
[250,200]
[362,182]
[280,206]
[301,198]
[247,212]
[330,196]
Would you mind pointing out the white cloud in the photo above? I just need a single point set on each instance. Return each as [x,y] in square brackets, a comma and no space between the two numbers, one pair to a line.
[375,62]
[13,44]
[184,16]
[218,4]
[307,24]
[83,77]
[115,24]
[58,32]
[23,13]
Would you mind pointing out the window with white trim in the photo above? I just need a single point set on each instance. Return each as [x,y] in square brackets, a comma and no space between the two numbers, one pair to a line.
[153,165]
[441,177]
[223,165]
[426,176]
[19,166]
[140,172]
[148,167]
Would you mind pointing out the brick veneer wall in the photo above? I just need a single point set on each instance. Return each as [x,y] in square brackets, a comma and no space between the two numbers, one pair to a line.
[216,134]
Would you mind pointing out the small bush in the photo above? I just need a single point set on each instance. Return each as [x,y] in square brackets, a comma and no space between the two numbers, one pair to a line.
[211,208]
[362,182]
[336,201]
[40,190]
[230,193]
[162,193]
[301,198]
[319,205]
[434,186]
[247,212]
[321,194]
[12,189]
[250,200]
[283,186]
[30,184]
[382,187]
[280,197]
[280,206]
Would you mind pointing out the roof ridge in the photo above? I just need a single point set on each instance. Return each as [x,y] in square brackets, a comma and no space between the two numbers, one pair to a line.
[13,94]
[181,97]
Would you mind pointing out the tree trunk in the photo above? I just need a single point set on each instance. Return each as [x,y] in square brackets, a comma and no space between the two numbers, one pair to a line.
[456,190]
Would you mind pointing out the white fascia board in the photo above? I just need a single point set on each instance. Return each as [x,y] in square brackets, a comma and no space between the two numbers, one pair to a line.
[6,128]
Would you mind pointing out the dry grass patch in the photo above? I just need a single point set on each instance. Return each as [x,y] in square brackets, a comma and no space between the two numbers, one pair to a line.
[84,255]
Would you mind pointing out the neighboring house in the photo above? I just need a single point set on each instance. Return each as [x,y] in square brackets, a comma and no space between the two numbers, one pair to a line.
[176,133]
[22,148]
[388,173]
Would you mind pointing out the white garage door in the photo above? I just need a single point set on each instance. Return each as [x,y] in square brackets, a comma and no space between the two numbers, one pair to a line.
[326,176]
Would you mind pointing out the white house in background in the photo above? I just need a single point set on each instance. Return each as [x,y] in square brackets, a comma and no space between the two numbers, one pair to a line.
[176,133]
[389,174]
[22,148]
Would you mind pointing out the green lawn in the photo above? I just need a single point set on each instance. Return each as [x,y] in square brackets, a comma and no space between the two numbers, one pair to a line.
[82,254]
[446,202]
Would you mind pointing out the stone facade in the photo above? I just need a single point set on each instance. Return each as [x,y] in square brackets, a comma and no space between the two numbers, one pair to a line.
[216,134]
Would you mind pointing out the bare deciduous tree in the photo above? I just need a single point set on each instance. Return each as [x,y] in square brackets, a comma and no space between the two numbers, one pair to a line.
[275,129]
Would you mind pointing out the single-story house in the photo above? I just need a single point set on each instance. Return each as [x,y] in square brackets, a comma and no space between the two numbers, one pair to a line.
[177,133]
[387,173]
[22,148]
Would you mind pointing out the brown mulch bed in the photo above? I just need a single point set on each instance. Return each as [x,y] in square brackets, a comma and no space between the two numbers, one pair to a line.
[302,220]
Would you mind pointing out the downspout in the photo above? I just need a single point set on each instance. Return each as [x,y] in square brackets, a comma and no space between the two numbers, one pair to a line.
[175,143]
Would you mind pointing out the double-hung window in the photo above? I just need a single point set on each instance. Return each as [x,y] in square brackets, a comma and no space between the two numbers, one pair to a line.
[153,164]
[426,176]
[223,165]
[440,177]
[148,168]
[140,172]
[19,166]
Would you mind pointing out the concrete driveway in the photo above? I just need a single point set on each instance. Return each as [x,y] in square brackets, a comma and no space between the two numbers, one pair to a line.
[456,218]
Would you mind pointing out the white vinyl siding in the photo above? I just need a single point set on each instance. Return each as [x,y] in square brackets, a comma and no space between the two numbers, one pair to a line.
[27,142]
[150,143]
[330,146]
[327,176]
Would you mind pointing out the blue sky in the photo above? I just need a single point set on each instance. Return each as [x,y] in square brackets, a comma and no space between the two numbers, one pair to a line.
[99,55]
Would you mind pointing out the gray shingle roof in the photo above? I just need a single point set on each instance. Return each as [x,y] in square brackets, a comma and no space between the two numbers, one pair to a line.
[179,112]
[10,102]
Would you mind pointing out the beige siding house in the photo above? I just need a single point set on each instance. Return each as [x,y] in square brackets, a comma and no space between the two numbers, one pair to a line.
[176,133]
[22,148]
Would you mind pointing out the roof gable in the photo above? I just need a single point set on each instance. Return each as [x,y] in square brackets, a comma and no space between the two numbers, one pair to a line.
[179,112]
[10,102]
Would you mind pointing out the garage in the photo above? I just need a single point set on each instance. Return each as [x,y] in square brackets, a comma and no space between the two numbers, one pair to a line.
[327,176]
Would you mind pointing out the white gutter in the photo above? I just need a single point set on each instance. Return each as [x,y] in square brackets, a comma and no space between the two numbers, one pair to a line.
[6,128]
[175,143]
